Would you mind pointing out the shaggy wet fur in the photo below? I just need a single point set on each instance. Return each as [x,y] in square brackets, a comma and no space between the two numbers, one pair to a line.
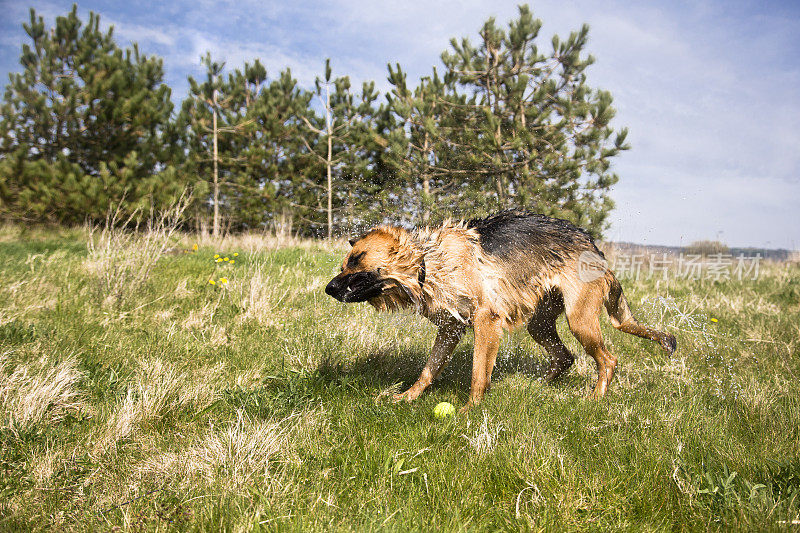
[493,274]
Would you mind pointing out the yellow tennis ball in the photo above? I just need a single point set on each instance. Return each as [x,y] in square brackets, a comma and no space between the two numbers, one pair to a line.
[443,410]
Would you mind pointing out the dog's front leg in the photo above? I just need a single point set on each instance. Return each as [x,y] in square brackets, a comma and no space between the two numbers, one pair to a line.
[487,342]
[447,339]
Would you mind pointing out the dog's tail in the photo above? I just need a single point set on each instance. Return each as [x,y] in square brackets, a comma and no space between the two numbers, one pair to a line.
[622,318]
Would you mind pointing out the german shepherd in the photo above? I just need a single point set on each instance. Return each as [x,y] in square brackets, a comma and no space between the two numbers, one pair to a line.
[496,273]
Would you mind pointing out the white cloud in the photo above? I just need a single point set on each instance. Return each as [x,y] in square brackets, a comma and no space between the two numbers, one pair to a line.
[129,33]
[235,54]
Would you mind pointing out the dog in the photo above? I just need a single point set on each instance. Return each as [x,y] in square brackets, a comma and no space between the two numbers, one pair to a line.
[498,273]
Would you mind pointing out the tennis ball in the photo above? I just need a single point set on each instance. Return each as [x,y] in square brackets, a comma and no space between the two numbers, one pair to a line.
[443,410]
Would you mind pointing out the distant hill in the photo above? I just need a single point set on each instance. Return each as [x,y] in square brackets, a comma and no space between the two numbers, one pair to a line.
[779,254]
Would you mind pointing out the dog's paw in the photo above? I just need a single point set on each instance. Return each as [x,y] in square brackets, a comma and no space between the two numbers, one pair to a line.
[408,396]
[669,343]
[467,406]
[388,393]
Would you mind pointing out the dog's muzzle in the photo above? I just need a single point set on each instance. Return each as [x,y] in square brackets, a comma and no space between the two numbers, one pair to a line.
[357,287]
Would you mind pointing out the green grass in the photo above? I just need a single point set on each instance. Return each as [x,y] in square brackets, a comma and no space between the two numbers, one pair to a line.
[255,405]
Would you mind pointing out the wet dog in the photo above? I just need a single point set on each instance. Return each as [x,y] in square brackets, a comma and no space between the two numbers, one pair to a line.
[498,273]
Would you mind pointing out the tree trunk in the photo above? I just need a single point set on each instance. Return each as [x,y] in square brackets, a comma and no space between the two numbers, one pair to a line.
[215,230]
[426,183]
[501,190]
[526,153]
[329,131]
[494,107]
[350,209]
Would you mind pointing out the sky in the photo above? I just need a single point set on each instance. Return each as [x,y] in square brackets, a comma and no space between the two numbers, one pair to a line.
[710,90]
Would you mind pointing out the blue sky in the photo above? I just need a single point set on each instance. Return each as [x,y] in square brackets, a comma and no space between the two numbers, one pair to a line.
[710,90]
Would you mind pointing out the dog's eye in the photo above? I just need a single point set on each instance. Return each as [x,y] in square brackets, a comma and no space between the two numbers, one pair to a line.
[353,260]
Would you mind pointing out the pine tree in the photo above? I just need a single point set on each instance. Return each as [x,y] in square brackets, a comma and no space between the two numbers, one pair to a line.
[508,126]
[83,127]
[426,118]
[362,191]
[272,161]
[261,167]
[343,144]
[212,111]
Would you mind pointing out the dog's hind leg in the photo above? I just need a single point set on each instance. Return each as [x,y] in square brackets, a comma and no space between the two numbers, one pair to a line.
[622,318]
[447,338]
[583,308]
[542,327]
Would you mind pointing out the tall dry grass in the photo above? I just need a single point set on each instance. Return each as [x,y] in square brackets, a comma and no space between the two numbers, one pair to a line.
[122,255]
[38,393]
[255,242]
[157,390]
[241,452]
[237,456]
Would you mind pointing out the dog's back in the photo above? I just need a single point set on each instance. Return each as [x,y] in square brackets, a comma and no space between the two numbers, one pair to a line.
[531,244]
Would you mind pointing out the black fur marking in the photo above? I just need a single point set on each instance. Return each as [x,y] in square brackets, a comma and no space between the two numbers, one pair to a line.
[352,261]
[509,233]
[421,276]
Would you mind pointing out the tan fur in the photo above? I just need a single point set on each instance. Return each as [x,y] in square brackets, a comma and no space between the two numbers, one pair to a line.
[465,286]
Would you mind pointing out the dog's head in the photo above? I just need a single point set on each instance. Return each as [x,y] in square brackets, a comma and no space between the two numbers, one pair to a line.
[375,266]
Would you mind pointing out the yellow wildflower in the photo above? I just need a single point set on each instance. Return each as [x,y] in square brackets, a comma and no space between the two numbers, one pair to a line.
[194,247]
[212,282]
[217,260]
[216,256]
[714,320]
[235,254]
[226,259]
[232,261]
[224,281]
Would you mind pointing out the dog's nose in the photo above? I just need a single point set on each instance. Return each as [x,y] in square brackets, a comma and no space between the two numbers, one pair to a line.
[334,287]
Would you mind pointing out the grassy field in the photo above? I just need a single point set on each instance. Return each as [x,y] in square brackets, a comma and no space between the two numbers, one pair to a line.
[134,394]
